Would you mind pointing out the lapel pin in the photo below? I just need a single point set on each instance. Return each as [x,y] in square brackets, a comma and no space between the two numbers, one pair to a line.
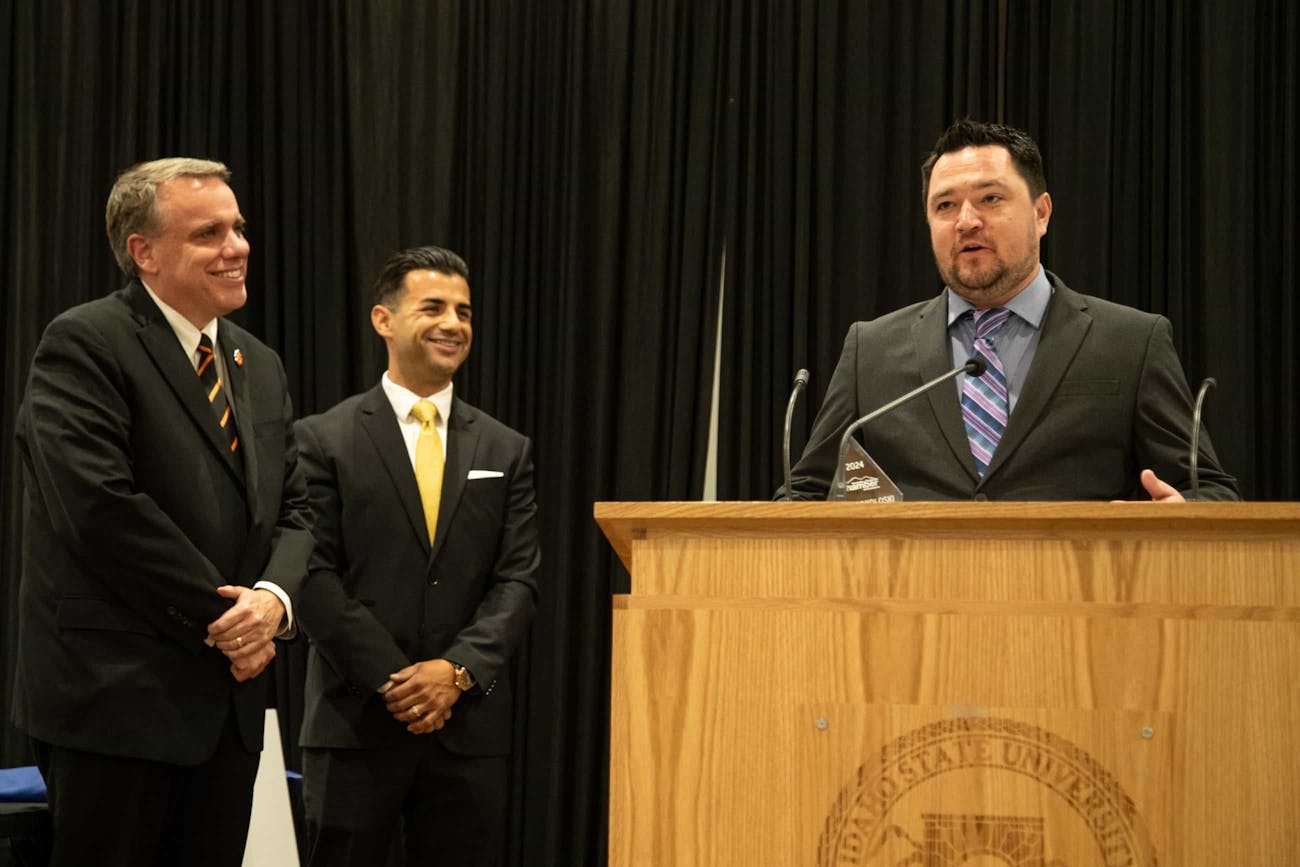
[239,358]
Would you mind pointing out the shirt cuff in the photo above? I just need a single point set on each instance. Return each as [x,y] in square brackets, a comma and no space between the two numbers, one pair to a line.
[290,629]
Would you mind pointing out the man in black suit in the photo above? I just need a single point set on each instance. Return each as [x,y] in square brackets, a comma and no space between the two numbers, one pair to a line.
[1084,399]
[422,585]
[164,524]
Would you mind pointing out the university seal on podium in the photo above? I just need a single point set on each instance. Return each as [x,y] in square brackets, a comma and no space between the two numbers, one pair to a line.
[984,791]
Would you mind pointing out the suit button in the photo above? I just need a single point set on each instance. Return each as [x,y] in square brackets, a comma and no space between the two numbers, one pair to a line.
[981,497]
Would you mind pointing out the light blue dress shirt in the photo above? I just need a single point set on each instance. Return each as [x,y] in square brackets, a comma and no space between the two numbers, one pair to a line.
[1015,343]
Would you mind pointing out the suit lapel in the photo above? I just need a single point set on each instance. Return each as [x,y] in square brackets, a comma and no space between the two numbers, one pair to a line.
[1064,327]
[462,442]
[934,358]
[160,342]
[376,416]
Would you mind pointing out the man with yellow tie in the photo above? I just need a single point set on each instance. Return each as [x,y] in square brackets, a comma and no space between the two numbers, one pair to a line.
[422,584]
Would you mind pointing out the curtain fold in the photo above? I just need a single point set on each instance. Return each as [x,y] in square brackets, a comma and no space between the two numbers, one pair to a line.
[836,105]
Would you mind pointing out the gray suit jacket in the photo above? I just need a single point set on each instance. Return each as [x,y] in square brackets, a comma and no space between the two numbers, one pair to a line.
[1105,398]
[136,511]
[379,598]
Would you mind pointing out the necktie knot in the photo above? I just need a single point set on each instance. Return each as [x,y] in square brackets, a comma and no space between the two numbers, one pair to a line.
[205,356]
[989,322]
[425,412]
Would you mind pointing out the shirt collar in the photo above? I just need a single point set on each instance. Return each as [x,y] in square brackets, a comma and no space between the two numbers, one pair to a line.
[185,331]
[402,399]
[1030,303]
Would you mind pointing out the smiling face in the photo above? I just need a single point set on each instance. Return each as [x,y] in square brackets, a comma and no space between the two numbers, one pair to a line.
[428,331]
[197,258]
[984,227]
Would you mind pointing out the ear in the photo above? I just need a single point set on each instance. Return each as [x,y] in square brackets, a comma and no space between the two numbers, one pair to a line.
[141,250]
[1043,213]
[381,318]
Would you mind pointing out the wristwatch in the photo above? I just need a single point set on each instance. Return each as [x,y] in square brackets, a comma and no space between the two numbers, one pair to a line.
[463,681]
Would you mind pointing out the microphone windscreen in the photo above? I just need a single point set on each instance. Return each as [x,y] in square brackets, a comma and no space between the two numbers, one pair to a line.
[975,366]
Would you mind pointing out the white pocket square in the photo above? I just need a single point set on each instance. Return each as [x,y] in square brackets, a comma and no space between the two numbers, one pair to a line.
[483,474]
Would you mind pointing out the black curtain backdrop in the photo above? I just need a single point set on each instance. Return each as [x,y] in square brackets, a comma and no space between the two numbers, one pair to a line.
[594,161]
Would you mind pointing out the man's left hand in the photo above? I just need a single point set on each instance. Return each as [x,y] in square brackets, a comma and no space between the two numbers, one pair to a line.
[1159,491]
[246,631]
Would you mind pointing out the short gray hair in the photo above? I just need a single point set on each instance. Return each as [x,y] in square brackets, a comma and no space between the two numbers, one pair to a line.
[132,201]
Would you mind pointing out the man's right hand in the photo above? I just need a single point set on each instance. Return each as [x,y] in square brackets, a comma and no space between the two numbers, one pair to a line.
[245,633]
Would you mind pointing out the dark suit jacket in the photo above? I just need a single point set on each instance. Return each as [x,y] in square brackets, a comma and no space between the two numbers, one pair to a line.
[377,598]
[1105,398]
[135,512]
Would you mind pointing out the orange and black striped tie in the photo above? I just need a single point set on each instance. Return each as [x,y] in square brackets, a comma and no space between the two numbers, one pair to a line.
[211,380]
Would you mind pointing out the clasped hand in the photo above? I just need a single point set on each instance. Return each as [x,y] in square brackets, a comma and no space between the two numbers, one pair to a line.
[421,695]
[246,632]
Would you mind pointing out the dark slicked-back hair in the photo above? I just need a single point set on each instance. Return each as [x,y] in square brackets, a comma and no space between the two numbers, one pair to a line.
[388,286]
[974,133]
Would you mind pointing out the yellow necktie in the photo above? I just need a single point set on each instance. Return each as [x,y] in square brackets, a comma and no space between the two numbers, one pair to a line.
[428,463]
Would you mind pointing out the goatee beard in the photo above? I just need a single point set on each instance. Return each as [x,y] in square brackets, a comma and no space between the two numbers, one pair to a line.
[998,283]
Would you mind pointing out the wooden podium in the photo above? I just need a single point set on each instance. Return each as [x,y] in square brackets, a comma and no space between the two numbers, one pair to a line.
[1055,684]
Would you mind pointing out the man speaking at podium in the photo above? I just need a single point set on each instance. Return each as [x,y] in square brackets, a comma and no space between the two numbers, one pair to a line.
[1082,398]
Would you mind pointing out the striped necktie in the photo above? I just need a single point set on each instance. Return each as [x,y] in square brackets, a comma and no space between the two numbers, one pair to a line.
[211,380]
[984,403]
[429,459]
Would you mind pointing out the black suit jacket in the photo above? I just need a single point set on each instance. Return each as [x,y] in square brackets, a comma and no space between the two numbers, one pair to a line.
[135,511]
[1105,398]
[378,598]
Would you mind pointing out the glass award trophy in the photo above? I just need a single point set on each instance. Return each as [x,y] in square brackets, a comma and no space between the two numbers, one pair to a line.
[858,478]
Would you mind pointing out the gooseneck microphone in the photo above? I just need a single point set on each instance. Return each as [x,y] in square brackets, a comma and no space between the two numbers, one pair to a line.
[800,382]
[1206,384]
[974,366]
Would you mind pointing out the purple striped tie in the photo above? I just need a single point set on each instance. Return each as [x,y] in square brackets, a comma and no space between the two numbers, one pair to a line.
[984,404]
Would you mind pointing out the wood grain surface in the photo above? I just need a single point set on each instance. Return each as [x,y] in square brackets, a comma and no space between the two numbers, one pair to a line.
[766,677]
